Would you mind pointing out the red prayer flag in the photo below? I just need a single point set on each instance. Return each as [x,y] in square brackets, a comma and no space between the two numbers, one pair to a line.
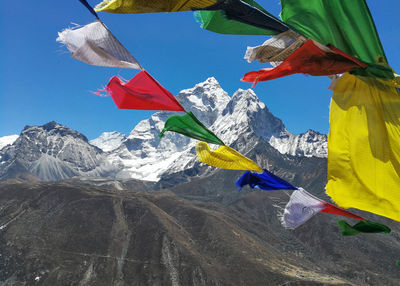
[142,92]
[312,58]
[329,208]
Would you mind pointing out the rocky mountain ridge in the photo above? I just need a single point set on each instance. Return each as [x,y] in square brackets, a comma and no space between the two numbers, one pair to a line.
[54,152]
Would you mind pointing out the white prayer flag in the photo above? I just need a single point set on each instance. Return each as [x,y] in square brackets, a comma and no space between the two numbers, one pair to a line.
[276,49]
[301,207]
[94,44]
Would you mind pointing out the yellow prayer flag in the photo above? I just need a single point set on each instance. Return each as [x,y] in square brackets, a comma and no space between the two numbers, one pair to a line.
[225,158]
[146,6]
[364,146]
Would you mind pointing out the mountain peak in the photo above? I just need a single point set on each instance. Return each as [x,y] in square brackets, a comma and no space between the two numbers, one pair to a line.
[211,81]
[207,93]
[49,129]
[249,99]
[53,152]
[51,125]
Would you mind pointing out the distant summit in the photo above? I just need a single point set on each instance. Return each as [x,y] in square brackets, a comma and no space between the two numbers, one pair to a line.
[52,152]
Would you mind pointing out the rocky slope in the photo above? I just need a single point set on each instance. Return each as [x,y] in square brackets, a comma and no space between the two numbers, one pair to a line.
[65,234]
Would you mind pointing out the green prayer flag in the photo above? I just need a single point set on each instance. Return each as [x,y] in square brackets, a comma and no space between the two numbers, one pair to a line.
[364,226]
[348,25]
[190,126]
[216,21]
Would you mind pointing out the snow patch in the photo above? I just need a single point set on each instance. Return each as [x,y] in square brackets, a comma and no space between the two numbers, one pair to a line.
[109,141]
[7,140]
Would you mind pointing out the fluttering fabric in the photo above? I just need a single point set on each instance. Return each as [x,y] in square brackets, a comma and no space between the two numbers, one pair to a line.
[151,6]
[142,92]
[225,158]
[217,21]
[312,58]
[332,209]
[347,25]
[95,45]
[265,181]
[276,49]
[362,227]
[243,12]
[302,206]
[364,146]
[190,126]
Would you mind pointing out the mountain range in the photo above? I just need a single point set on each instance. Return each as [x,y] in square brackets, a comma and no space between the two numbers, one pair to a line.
[139,210]
[54,152]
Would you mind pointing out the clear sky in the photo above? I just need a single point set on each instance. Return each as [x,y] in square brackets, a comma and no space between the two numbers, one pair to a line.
[40,82]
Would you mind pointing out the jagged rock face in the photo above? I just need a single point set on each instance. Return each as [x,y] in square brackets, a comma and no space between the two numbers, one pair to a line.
[52,152]
[60,234]
[245,114]
[308,144]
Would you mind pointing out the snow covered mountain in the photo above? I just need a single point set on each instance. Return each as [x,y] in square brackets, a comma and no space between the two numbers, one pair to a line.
[7,140]
[308,144]
[144,156]
[54,152]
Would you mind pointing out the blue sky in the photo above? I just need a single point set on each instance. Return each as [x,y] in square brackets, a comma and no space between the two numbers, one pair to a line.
[41,82]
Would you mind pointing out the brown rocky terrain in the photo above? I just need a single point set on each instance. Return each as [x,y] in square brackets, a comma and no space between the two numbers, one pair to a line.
[75,234]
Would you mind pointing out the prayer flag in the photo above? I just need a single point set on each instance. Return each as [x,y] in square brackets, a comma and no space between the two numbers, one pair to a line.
[216,21]
[190,126]
[311,58]
[302,206]
[95,45]
[146,6]
[142,92]
[239,17]
[362,227]
[276,49]
[332,209]
[225,158]
[347,25]
[364,146]
[265,181]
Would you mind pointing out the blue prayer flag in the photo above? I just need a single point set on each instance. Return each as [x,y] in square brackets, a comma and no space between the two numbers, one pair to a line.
[264,181]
